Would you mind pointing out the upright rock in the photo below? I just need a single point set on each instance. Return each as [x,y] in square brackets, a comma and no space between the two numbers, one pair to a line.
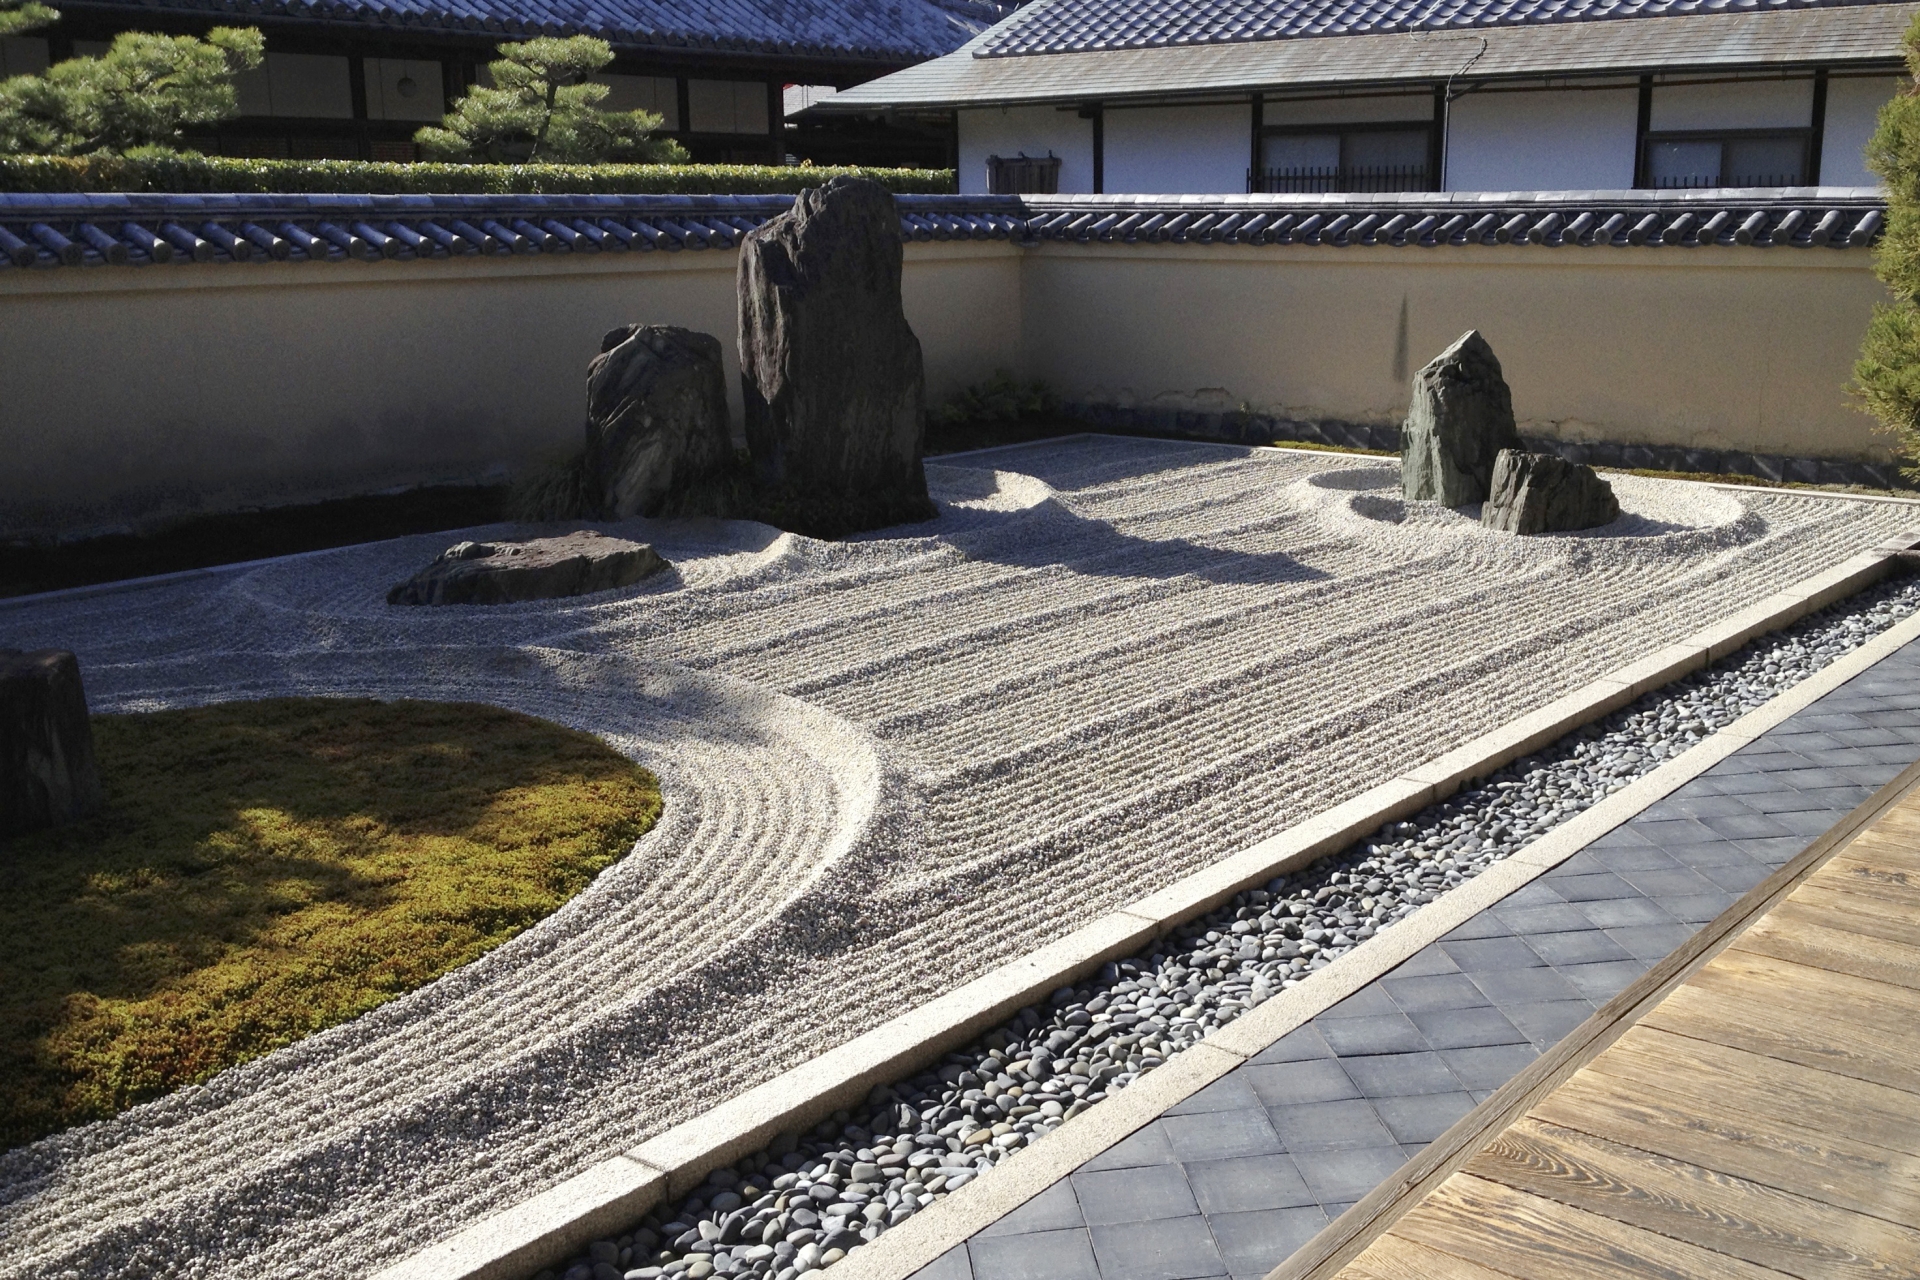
[656,419]
[1541,493]
[1460,418]
[47,771]
[831,373]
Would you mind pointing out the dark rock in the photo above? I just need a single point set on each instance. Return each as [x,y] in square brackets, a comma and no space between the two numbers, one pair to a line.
[1542,493]
[831,373]
[656,418]
[1460,418]
[539,569]
[48,774]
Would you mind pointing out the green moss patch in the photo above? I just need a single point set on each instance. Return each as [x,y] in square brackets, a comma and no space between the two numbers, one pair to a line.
[264,870]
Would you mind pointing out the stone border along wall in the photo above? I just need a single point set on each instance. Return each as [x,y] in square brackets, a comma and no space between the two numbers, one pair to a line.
[1251,428]
[609,1197]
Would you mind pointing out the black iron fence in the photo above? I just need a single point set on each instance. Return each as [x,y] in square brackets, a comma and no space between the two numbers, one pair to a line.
[1700,181]
[1314,181]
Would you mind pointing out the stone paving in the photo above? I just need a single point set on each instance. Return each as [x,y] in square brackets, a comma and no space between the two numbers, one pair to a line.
[1231,1181]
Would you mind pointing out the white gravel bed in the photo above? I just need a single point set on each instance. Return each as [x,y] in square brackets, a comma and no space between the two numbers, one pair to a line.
[889,765]
[799,1207]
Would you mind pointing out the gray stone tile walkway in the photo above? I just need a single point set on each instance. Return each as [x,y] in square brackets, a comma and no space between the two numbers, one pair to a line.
[1231,1181]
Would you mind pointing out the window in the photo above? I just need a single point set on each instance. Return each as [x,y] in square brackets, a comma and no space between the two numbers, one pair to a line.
[657,94]
[726,106]
[404,89]
[1023,175]
[1389,157]
[307,86]
[1742,158]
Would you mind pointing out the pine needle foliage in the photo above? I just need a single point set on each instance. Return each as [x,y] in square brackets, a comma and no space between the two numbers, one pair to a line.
[264,870]
[542,108]
[1887,374]
[138,95]
[17,16]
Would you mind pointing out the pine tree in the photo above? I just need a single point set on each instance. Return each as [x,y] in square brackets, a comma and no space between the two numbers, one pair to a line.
[139,94]
[1887,375]
[24,15]
[542,107]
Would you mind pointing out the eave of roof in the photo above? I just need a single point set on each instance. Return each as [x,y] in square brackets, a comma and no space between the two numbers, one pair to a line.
[1860,34]
[936,27]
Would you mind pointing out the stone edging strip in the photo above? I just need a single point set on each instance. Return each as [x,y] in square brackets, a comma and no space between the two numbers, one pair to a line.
[562,1220]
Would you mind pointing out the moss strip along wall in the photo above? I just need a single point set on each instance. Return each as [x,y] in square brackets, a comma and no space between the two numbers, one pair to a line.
[133,395]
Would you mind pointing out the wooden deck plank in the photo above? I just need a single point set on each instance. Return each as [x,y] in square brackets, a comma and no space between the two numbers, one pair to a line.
[1697,1204]
[1759,1148]
[1808,937]
[1536,1238]
[1392,1258]
[1824,1024]
[1870,874]
[1839,905]
[1705,1076]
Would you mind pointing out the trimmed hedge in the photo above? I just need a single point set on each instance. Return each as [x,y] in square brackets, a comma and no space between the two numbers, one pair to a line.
[227,174]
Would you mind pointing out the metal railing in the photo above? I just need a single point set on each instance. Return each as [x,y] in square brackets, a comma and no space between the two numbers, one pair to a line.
[1315,181]
[1697,182]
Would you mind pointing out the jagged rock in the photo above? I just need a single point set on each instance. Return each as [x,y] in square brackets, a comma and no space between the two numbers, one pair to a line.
[1541,493]
[656,418]
[1461,416]
[48,774]
[538,569]
[831,372]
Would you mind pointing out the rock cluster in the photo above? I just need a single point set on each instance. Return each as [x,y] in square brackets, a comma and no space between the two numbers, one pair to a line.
[804,1203]
[656,419]
[1460,418]
[48,774]
[537,569]
[1542,493]
[830,370]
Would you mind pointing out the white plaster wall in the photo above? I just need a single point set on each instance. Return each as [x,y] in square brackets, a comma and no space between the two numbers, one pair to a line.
[1372,109]
[1008,131]
[277,383]
[1178,150]
[1739,104]
[1549,140]
[1853,108]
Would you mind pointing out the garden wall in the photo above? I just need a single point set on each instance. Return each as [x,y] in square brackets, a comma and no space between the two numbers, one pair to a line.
[1734,348]
[128,396]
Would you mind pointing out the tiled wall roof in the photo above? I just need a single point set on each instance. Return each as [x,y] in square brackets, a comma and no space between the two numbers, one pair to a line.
[888,30]
[46,231]
[1074,26]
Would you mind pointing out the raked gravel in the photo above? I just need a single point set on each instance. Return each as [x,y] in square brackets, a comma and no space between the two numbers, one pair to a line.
[812,1198]
[889,764]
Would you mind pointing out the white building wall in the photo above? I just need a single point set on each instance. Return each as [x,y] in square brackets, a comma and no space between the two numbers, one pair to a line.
[1037,131]
[1737,104]
[1853,108]
[1175,150]
[1549,140]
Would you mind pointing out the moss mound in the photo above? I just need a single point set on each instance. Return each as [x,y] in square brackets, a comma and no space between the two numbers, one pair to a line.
[264,870]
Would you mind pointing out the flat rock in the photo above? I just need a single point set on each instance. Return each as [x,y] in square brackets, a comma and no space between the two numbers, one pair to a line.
[830,370]
[577,564]
[48,774]
[1460,418]
[1542,493]
[657,420]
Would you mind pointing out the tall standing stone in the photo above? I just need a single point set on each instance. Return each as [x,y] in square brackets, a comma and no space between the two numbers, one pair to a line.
[836,403]
[1543,493]
[47,770]
[1460,418]
[657,421]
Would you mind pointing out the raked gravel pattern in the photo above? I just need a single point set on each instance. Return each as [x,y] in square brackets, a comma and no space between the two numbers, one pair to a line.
[889,765]
[804,1204]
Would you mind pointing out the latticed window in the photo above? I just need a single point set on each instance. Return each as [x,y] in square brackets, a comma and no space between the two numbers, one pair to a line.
[1023,175]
